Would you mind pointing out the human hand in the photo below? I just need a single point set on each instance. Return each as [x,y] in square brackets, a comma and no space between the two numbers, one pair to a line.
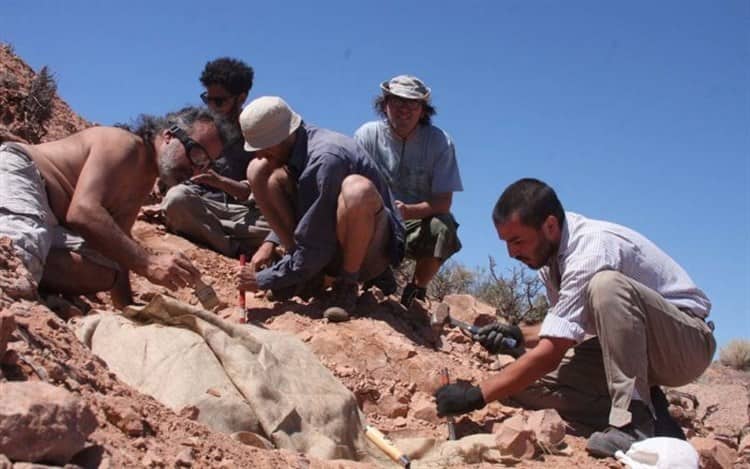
[501,338]
[171,270]
[263,257]
[209,178]
[246,279]
[458,398]
[402,208]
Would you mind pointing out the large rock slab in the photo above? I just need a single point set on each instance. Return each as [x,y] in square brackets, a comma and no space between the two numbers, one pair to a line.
[714,454]
[42,423]
[723,408]
[469,309]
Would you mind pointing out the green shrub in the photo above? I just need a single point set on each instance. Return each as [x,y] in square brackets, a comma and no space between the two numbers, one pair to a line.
[736,354]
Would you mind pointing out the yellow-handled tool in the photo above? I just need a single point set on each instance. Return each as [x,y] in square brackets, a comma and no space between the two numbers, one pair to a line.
[385,445]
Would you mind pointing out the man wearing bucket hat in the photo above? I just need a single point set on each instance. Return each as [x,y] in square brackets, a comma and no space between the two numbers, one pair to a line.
[327,205]
[419,162]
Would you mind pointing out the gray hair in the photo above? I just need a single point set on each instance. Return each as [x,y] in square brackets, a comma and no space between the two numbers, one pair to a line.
[148,126]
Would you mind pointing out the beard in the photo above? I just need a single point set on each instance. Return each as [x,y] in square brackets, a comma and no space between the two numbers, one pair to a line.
[171,172]
[542,254]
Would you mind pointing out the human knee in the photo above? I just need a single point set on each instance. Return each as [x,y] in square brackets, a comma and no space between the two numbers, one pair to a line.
[359,192]
[603,290]
[258,171]
[279,182]
[177,198]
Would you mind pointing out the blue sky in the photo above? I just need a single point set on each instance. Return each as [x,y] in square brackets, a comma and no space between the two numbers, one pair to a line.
[635,112]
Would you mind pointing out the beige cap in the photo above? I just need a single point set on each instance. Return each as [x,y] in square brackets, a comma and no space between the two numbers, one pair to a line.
[266,122]
[406,86]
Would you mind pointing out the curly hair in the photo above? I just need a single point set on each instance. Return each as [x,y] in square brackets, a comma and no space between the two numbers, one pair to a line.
[148,127]
[427,107]
[234,75]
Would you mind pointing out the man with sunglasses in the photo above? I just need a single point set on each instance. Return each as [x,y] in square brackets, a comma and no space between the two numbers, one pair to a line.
[418,161]
[69,205]
[215,207]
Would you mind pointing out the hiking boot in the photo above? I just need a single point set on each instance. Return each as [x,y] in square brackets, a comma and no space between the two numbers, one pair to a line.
[665,425]
[386,282]
[342,300]
[411,293]
[607,443]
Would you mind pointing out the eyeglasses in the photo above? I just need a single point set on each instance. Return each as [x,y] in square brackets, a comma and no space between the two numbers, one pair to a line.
[195,152]
[218,101]
[398,101]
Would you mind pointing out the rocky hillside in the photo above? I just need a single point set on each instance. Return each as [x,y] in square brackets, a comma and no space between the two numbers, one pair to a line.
[390,359]
[15,84]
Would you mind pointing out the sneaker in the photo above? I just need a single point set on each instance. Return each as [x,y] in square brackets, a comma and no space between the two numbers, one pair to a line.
[386,282]
[665,425]
[342,300]
[411,293]
[608,442]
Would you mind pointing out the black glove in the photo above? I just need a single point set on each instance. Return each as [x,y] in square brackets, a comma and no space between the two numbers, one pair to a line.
[458,398]
[501,338]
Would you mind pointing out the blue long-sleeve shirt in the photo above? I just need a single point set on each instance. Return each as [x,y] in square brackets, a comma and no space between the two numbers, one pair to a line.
[319,162]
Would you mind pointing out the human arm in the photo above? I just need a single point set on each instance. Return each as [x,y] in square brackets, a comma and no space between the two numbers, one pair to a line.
[460,398]
[112,183]
[240,190]
[438,204]
[532,365]
[315,241]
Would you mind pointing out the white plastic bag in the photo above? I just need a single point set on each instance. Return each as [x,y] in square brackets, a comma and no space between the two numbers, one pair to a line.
[660,453]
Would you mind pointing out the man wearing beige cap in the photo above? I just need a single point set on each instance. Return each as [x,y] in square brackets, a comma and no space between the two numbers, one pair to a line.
[327,205]
[418,161]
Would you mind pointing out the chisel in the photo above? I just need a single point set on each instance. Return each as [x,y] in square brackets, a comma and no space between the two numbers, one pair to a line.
[445,379]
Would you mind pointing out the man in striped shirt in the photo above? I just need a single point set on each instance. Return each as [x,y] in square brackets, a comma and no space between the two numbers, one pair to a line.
[624,318]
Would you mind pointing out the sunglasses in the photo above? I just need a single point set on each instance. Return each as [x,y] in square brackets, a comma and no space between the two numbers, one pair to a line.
[218,101]
[195,152]
[398,101]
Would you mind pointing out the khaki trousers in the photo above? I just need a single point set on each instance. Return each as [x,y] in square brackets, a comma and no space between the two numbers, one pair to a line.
[229,229]
[642,340]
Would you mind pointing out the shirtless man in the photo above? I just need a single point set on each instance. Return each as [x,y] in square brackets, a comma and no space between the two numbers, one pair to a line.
[69,205]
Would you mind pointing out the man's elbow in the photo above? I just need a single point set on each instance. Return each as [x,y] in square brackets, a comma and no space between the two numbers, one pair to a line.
[79,217]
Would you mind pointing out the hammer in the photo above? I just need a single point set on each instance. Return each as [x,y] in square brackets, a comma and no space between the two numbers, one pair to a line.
[442,315]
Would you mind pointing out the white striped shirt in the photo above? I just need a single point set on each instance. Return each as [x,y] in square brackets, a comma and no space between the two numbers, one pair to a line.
[589,246]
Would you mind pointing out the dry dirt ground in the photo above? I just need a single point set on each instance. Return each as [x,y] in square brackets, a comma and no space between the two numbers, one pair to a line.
[389,358]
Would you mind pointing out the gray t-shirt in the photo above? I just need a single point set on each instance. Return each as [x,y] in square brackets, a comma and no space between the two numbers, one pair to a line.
[416,168]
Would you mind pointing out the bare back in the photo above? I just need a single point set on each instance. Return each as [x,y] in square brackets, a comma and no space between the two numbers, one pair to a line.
[101,165]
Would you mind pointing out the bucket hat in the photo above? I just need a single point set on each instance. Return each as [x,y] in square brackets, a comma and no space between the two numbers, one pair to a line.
[266,122]
[406,86]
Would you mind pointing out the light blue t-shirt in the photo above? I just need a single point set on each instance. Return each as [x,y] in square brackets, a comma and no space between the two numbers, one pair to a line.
[416,168]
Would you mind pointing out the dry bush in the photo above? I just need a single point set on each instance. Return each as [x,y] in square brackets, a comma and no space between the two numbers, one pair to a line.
[37,106]
[736,354]
[517,295]
[452,278]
